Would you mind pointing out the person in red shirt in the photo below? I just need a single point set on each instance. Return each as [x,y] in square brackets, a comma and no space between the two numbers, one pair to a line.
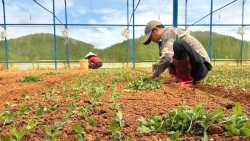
[94,61]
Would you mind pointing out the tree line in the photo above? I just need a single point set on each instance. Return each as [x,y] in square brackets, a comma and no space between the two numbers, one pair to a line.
[41,47]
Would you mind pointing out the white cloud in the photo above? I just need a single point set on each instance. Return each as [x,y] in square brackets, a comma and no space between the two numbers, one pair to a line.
[115,12]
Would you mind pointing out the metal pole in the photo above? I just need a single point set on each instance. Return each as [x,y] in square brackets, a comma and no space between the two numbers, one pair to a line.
[133,35]
[186,14]
[211,35]
[175,13]
[67,44]
[55,57]
[5,39]
[242,41]
[127,50]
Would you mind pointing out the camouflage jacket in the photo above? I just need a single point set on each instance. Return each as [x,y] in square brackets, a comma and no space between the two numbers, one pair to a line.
[166,48]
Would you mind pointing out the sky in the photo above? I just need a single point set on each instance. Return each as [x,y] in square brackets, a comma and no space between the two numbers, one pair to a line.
[101,22]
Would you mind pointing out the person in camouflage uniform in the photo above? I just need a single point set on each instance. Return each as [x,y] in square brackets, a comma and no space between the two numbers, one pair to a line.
[184,56]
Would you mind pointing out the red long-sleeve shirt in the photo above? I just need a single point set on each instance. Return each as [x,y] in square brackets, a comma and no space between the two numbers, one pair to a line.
[94,59]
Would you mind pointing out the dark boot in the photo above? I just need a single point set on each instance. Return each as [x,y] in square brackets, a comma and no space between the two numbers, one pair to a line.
[183,71]
[172,73]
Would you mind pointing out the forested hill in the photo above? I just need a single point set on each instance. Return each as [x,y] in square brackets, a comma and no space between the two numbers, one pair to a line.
[41,47]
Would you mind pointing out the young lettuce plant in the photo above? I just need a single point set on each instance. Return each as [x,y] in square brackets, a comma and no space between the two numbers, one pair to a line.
[53,135]
[81,135]
[8,118]
[25,97]
[145,83]
[174,135]
[19,135]
[23,109]
[63,121]
[237,123]
[91,121]
[183,118]
[114,106]
[116,125]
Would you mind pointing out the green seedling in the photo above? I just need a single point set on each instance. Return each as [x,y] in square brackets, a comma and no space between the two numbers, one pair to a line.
[19,135]
[115,125]
[65,95]
[23,109]
[6,107]
[196,121]
[99,91]
[237,123]
[8,118]
[6,138]
[145,83]
[30,79]
[84,112]
[174,135]
[25,97]
[127,90]
[117,135]
[94,102]
[53,135]
[91,121]
[114,97]
[40,111]
[53,73]
[154,123]
[63,121]
[115,106]
[81,135]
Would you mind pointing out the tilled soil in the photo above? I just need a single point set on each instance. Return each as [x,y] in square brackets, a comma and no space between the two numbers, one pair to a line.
[135,104]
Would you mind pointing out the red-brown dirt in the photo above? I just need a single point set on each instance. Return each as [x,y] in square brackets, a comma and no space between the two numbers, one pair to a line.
[135,104]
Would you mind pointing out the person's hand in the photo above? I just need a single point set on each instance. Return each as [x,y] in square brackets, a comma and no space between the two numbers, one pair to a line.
[151,76]
[153,66]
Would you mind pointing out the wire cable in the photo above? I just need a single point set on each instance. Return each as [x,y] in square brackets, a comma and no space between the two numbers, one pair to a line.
[91,9]
[227,8]
[21,7]
[212,12]
[49,12]
[134,11]
[163,8]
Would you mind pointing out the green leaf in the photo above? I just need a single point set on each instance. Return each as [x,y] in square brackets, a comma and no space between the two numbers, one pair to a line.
[117,135]
[22,133]
[246,132]
[48,130]
[174,135]
[77,128]
[143,129]
[205,137]
[235,131]
[81,136]
[13,131]
[113,125]
[237,110]
[58,125]
[31,124]
[9,118]
[128,139]
[119,116]
[6,138]
[143,121]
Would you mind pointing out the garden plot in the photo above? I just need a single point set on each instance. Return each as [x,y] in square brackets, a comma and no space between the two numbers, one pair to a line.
[121,104]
